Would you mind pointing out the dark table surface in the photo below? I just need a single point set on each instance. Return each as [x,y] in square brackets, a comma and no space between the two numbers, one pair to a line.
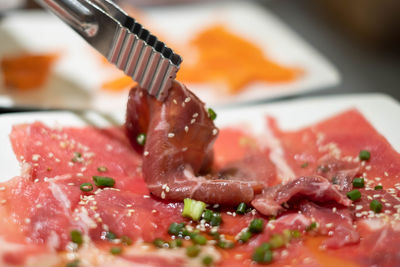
[362,68]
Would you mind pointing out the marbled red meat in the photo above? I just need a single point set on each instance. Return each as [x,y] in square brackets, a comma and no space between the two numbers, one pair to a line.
[179,149]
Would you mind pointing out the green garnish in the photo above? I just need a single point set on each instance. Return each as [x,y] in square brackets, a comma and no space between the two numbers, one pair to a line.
[245,236]
[277,241]
[175,243]
[295,233]
[74,263]
[216,219]
[102,169]
[116,250]
[241,208]
[215,235]
[141,139]
[77,157]
[192,251]
[86,187]
[364,155]
[304,165]
[375,206]
[311,227]
[193,208]
[176,228]
[103,181]
[354,195]
[76,237]
[110,235]
[358,182]
[225,244]
[378,187]
[125,240]
[212,114]
[207,260]
[199,240]
[256,226]
[207,215]
[158,242]
[262,254]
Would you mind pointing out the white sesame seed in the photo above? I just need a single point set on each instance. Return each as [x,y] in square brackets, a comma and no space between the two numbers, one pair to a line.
[146,196]
[215,206]
[192,121]
[186,129]
[27,220]
[153,211]
[195,115]
[174,101]
[57,160]
[358,214]
[368,167]
[187,99]
[215,131]
[359,207]
[146,153]
[376,195]
[2,188]
[35,157]
[329,225]
[171,135]
[184,149]
[163,195]
[334,209]
[36,180]
[377,179]
[386,173]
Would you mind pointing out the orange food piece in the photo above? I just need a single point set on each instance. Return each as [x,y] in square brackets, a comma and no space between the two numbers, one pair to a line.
[118,84]
[223,56]
[27,71]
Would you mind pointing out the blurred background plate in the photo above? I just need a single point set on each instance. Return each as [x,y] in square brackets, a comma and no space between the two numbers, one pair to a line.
[79,72]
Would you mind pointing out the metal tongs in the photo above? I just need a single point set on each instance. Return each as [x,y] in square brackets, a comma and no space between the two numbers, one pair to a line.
[122,40]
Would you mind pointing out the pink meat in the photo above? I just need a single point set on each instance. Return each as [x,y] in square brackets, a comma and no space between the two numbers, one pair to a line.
[178,151]
[315,188]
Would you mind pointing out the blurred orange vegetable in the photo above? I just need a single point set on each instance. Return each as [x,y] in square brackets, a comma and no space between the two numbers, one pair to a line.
[118,84]
[224,57]
[27,71]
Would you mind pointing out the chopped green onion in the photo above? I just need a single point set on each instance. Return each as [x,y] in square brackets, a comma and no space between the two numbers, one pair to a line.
[212,114]
[241,208]
[354,195]
[192,251]
[207,215]
[76,237]
[364,155]
[86,187]
[102,169]
[256,226]
[158,242]
[304,165]
[375,206]
[199,240]
[141,139]
[77,157]
[193,208]
[287,236]
[225,244]
[207,260]
[103,181]
[176,228]
[216,219]
[378,187]
[116,250]
[245,236]
[358,182]
[175,243]
[74,263]
[277,241]
[262,254]
[125,240]
[311,227]
[295,233]
[215,235]
[110,235]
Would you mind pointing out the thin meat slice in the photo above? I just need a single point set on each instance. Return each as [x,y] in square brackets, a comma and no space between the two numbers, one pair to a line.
[315,188]
[332,221]
[178,152]
[338,171]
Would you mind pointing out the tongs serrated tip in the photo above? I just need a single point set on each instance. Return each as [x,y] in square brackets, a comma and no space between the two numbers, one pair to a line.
[122,40]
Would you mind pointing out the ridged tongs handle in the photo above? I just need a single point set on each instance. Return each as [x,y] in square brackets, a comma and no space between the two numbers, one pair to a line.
[121,40]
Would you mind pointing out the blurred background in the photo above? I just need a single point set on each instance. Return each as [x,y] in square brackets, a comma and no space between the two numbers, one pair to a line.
[280,49]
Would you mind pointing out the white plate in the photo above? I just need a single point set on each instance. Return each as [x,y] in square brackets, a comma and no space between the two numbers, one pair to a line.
[380,110]
[79,73]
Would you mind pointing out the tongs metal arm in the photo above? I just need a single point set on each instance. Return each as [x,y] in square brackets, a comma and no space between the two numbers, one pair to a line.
[121,40]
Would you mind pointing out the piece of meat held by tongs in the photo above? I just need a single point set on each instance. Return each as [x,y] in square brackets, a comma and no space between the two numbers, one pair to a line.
[122,40]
